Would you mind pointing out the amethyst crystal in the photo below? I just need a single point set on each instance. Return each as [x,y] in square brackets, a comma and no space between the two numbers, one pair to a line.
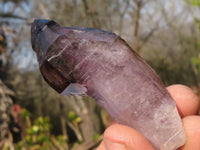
[87,61]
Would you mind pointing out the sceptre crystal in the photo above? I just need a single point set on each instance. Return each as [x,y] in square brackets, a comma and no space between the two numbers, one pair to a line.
[100,64]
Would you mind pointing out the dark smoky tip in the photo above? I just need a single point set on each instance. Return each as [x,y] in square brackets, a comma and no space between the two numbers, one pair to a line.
[39,24]
[42,21]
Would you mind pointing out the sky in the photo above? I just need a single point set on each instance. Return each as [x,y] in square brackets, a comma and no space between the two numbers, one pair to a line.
[26,59]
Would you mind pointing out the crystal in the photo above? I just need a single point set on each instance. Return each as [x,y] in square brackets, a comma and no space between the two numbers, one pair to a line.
[100,64]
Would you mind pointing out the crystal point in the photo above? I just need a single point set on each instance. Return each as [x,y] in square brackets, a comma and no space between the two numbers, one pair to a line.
[86,61]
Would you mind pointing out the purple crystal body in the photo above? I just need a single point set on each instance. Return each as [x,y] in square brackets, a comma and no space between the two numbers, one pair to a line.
[86,61]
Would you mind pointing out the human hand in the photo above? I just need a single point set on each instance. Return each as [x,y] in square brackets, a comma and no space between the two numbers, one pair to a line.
[121,137]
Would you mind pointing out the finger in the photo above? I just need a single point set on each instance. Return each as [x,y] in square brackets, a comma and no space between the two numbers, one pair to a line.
[192,130]
[122,137]
[101,146]
[186,100]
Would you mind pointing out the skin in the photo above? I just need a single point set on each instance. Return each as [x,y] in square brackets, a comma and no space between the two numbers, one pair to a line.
[120,137]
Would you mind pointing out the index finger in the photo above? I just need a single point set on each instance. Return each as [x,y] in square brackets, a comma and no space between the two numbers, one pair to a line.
[186,100]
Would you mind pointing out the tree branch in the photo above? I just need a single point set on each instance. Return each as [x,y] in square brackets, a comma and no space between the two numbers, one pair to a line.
[146,39]
[10,15]
[92,16]
[121,17]
[137,22]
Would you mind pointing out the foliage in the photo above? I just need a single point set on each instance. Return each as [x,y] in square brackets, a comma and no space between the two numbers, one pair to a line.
[72,116]
[38,135]
[194,2]
[196,60]
[96,136]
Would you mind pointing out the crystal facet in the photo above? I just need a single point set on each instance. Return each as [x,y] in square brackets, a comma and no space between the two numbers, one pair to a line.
[87,61]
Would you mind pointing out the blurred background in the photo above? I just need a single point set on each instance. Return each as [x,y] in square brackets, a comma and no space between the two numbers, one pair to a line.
[33,116]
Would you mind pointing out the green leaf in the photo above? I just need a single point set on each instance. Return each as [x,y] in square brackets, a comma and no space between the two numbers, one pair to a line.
[25,113]
[78,119]
[71,115]
[194,2]
[195,61]
[35,129]
[96,136]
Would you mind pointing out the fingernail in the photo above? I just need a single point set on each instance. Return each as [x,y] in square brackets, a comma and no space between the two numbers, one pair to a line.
[113,145]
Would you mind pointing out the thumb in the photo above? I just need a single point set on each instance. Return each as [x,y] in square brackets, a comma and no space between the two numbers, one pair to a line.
[122,137]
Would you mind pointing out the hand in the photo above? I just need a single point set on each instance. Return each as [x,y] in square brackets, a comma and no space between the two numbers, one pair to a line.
[120,137]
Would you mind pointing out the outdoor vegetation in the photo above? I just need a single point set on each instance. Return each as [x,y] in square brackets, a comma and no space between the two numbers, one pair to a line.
[35,117]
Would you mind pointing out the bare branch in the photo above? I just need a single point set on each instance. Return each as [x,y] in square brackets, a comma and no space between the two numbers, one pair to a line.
[76,131]
[137,22]
[92,16]
[146,39]
[122,14]
[43,9]
[11,15]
